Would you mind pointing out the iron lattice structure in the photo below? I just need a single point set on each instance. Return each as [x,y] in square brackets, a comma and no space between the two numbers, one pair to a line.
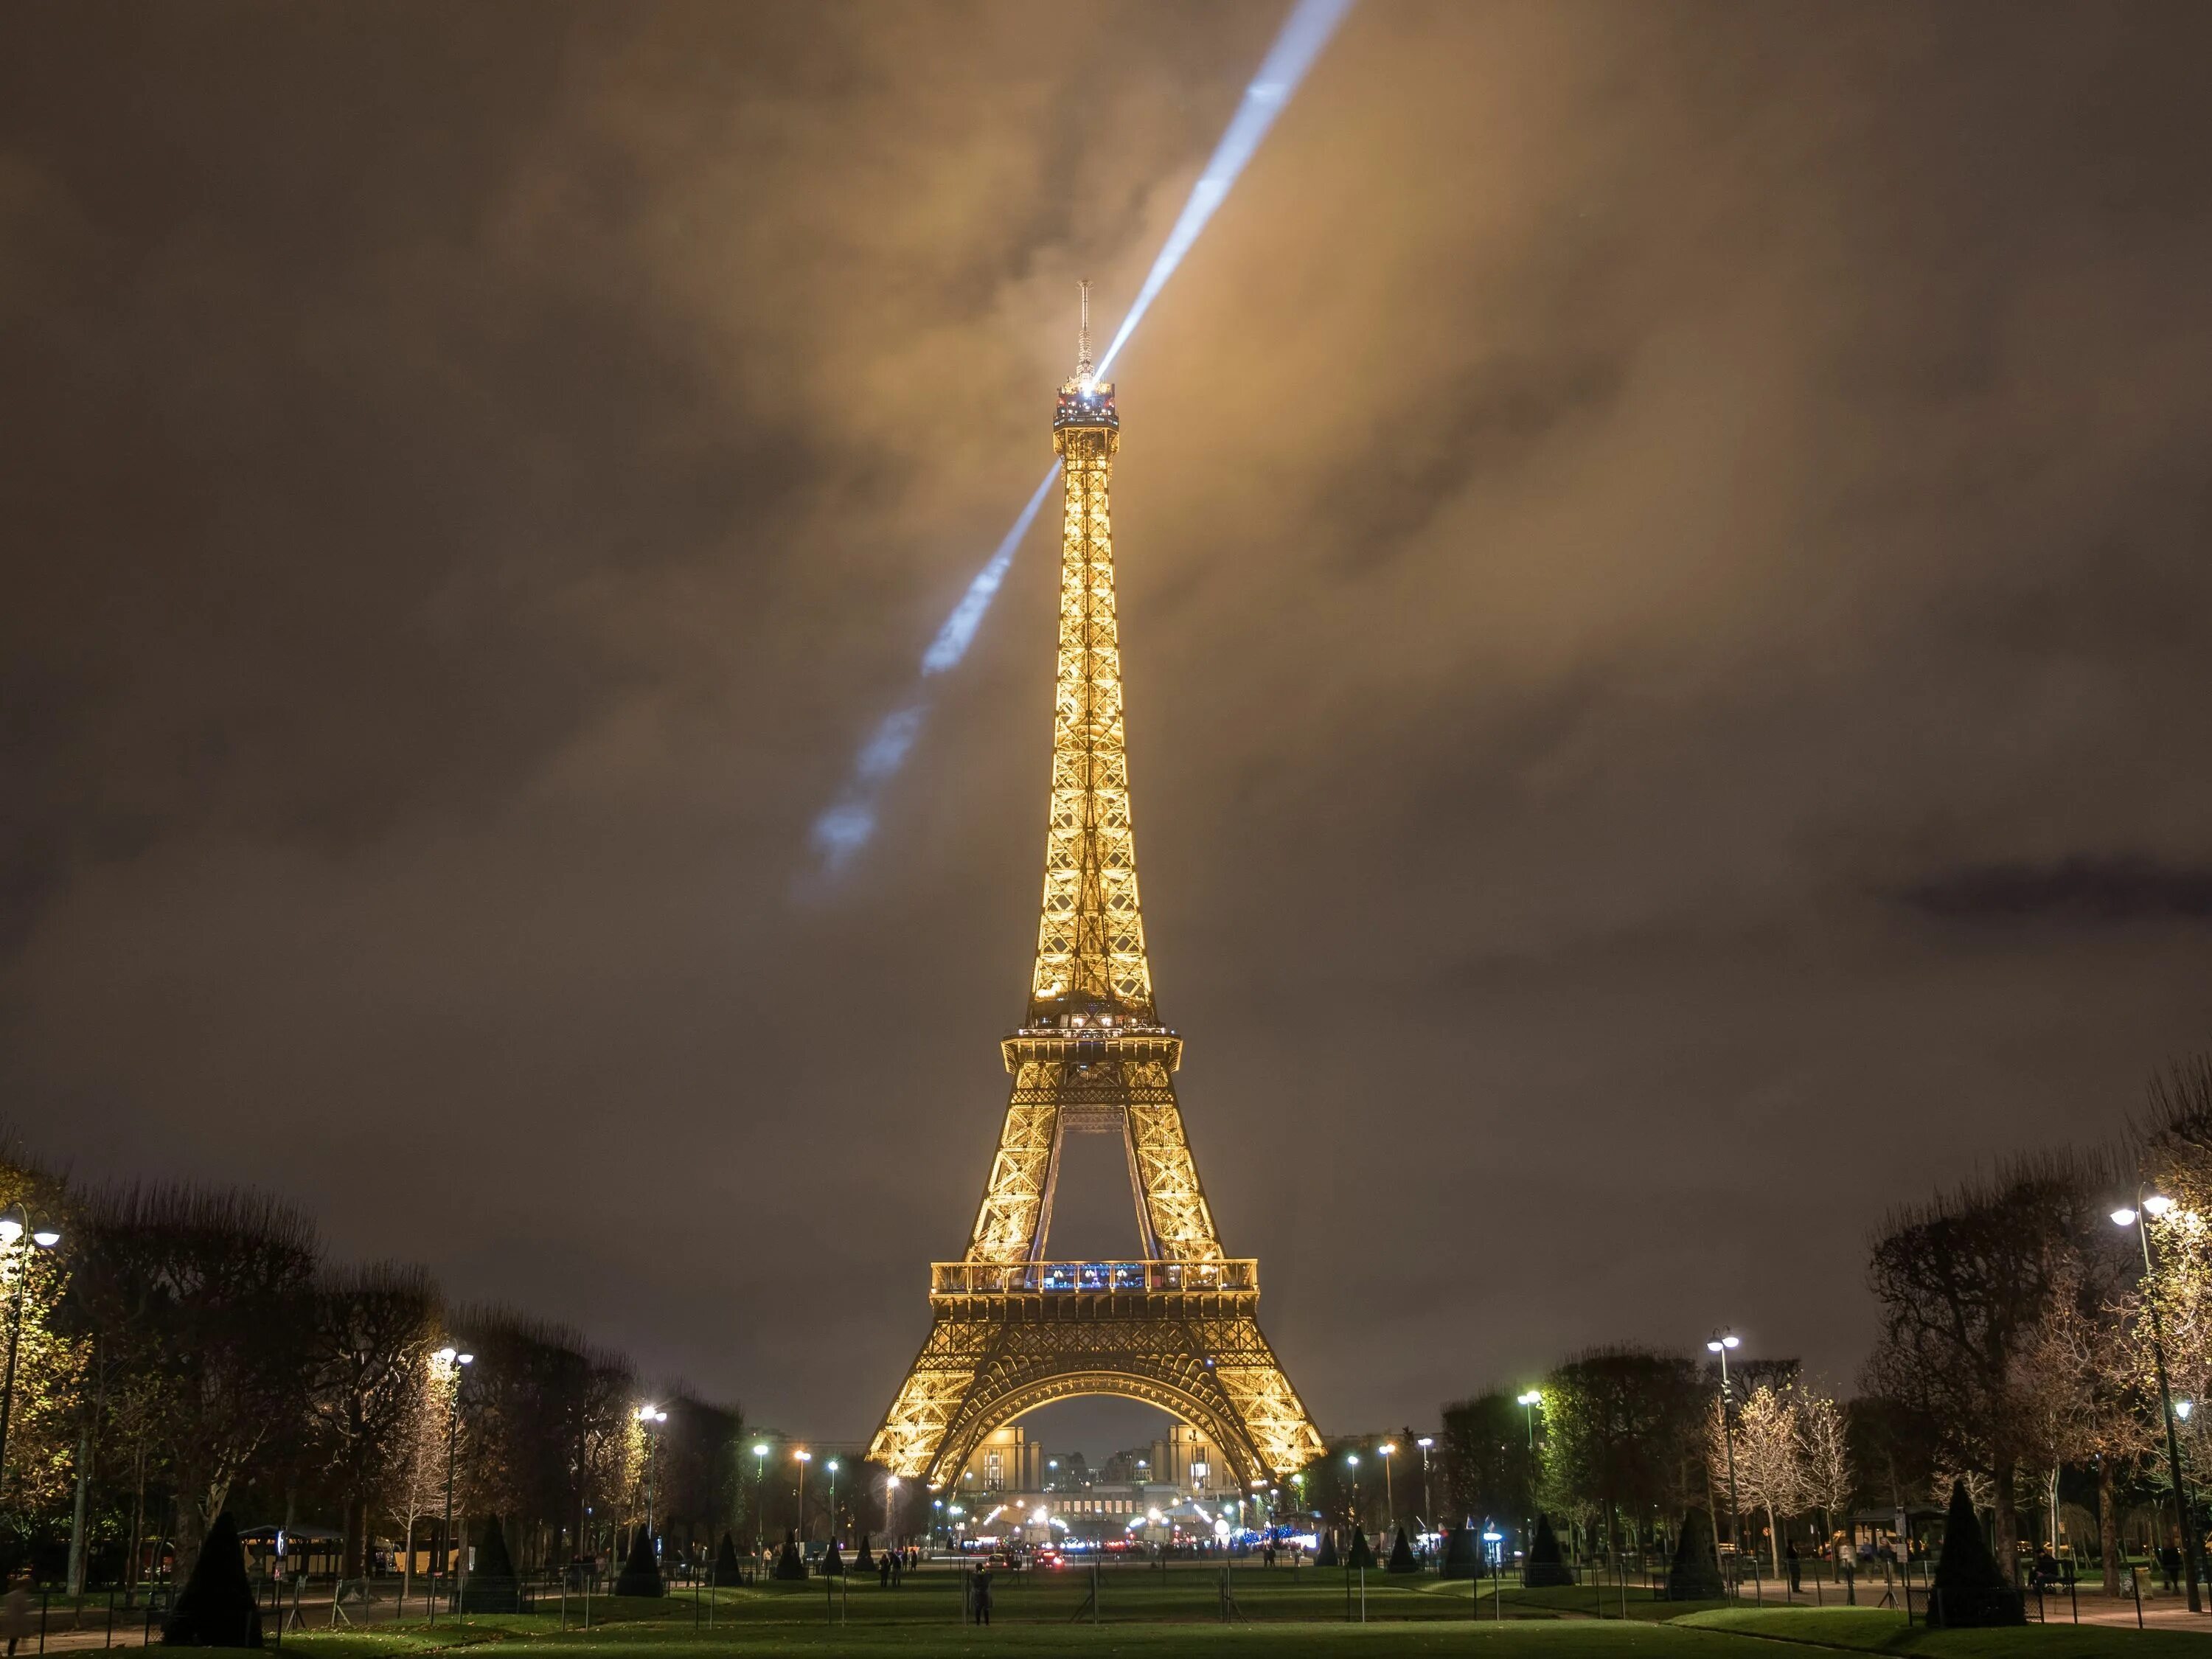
[1011,1330]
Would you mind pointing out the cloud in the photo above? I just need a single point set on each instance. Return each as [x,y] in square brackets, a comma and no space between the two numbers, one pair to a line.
[2079,890]
[1643,534]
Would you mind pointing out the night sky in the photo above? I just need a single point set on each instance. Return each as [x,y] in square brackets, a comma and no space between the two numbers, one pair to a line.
[1665,602]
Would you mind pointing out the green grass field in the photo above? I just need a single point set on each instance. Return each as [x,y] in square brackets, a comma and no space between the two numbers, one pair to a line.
[1146,1614]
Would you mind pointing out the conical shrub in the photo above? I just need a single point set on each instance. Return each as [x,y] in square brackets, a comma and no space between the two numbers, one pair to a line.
[790,1566]
[1545,1564]
[215,1608]
[641,1574]
[1462,1559]
[1694,1575]
[864,1561]
[1402,1554]
[1326,1555]
[1361,1556]
[1967,1590]
[728,1569]
[832,1564]
[491,1585]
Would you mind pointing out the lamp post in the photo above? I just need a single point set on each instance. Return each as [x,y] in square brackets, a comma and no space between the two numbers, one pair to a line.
[760,1456]
[1352,1462]
[1428,1513]
[2155,1206]
[1389,1450]
[651,1417]
[1721,1343]
[1528,1402]
[452,1359]
[2182,1408]
[833,1500]
[14,1225]
[802,1457]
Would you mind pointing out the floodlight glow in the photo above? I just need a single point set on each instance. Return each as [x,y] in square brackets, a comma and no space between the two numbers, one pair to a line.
[2156,1206]
[446,1355]
[2124,1217]
[1297,43]
[46,1238]
[849,821]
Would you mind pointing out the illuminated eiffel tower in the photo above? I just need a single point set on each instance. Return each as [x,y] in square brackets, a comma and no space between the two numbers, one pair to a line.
[1178,1327]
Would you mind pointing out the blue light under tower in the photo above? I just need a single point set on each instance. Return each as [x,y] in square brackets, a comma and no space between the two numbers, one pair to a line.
[850,821]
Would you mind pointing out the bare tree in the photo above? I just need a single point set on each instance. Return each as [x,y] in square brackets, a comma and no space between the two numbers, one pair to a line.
[1769,1456]
[418,1459]
[1962,1283]
[1824,1439]
[369,1343]
[209,1294]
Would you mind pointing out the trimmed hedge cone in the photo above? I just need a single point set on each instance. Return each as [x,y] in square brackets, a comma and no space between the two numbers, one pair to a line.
[727,1568]
[1402,1554]
[641,1574]
[790,1566]
[1545,1564]
[215,1608]
[1462,1558]
[1968,1590]
[1694,1575]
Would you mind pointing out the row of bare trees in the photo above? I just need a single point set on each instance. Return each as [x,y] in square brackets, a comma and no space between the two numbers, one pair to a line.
[2016,1351]
[2021,1321]
[186,1351]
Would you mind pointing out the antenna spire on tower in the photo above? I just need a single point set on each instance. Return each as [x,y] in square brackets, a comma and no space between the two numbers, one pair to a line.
[1083,336]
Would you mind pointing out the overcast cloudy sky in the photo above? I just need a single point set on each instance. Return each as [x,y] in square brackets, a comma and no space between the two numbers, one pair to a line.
[1665,602]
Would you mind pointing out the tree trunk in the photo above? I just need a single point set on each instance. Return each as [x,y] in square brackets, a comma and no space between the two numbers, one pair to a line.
[192,1527]
[2108,1528]
[137,1516]
[1774,1540]
[2005,1544]
[77,1510]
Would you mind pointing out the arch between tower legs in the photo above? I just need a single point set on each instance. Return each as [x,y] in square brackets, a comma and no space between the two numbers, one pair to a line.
[1186,1392]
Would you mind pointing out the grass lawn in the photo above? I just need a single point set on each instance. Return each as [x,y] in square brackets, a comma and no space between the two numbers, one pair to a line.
[1166,1615]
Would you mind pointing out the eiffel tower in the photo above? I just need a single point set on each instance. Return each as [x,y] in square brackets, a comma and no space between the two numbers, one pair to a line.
[1177,1327]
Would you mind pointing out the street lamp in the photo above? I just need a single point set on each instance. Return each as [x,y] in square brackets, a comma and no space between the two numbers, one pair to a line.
[760,1454]
[1389,1450]
[1352,1462]
[1721,1343]
[649,1416]
[833,1500]
[1428,1514]
[14,1222]
[891,1498]
[803,1457]
[1528,1402]
[2155,1206]
[451,1360]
